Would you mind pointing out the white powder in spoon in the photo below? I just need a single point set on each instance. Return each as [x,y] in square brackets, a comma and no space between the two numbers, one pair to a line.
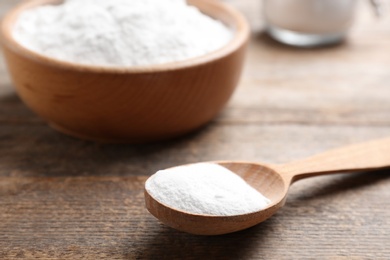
[120,32]
[205,188]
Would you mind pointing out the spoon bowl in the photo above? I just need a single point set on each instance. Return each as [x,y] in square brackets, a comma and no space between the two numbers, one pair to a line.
[261,177]
[273,182]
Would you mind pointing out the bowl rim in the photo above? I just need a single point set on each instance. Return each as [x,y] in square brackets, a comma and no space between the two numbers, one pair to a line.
[240,36]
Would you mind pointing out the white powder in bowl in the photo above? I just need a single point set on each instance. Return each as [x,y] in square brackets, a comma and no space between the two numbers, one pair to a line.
[120,32]
[205,188]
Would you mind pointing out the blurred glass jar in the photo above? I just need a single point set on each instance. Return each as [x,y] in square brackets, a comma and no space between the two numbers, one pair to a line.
[307,23]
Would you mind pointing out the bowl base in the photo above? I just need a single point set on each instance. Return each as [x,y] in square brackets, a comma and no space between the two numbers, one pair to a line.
[77,135]
[129,140]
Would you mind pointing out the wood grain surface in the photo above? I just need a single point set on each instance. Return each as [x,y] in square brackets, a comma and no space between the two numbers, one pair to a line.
[62,198]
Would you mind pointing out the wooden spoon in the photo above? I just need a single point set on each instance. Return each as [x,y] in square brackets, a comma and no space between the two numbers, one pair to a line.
[273,181]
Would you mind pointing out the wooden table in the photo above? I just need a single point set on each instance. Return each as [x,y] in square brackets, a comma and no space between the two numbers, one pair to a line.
[63,198]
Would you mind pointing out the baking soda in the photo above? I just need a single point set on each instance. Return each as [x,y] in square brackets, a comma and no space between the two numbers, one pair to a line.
[205,188]
[120,32]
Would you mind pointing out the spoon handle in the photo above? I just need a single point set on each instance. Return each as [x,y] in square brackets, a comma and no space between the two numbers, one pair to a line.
[364,156]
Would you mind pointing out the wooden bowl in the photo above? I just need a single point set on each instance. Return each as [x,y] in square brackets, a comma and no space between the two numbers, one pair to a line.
[128,104]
